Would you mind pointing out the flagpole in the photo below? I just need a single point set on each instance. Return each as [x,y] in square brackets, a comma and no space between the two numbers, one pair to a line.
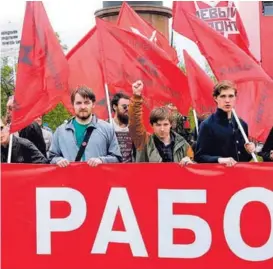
[243,133]
[108,102]
[172,38]
[11,135]
[195,120]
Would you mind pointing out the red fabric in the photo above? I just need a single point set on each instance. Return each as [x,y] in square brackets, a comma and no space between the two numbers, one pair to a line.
[181,25]
[228,62]
[42,68]
[128,57]
[85,69]
[142,182]
[200,86]
[131,21]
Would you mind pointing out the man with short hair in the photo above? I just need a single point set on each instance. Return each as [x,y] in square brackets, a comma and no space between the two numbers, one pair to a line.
[71,138]
[32,132]
[23,151]
[120,105]
[219,139]
[163,145]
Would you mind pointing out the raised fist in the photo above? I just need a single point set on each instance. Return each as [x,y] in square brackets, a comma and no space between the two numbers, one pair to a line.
[137,87]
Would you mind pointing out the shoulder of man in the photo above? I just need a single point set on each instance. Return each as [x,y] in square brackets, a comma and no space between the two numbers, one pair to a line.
[107,126]
[24,142]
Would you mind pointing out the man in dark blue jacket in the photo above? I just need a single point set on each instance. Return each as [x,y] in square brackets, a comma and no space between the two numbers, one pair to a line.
[219,139]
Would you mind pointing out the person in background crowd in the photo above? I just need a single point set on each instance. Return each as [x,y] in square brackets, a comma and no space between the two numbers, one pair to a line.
[219,139]
[23,151]
[47,135]
[267,150]
[179,123]
[163,145]
[45,126]
[32,132]
[120,105]
[70,141]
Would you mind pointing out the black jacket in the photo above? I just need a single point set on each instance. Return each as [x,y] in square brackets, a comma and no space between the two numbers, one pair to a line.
[34,134]
[220,137]
[23,151]
[268,146]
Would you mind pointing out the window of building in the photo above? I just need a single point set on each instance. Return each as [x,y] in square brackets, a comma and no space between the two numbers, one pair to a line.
[267,8]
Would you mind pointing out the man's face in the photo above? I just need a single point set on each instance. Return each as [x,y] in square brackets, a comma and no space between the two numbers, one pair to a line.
[226,100]
[162,129]
[122,110]
[39,121]
[4,135]
[83,107]
[9,108]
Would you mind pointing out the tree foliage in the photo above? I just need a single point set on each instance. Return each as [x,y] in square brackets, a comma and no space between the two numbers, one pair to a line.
[7,83]
[56,117]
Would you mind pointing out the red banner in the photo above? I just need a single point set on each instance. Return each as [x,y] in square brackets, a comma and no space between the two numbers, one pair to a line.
[137,216]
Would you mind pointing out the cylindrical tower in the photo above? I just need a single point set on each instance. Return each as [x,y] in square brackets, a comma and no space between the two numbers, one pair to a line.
[151,11]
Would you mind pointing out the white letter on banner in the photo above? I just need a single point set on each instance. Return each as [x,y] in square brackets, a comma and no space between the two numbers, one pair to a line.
[167,221]
[119,200]
[232,227]
[45,225]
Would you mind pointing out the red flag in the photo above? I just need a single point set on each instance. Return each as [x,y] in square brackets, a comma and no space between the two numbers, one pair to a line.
[255,88]
[200,86]
[42,68]
[128,57]
[222,16]
[131,21]
[86,69]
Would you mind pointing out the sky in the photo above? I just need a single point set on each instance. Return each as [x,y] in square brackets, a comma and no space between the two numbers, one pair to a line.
[73,19]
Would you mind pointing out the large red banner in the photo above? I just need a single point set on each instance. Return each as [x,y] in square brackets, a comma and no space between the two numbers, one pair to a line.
[137,216]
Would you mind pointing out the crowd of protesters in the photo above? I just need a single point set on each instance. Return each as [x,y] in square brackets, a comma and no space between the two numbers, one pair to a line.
[124,138]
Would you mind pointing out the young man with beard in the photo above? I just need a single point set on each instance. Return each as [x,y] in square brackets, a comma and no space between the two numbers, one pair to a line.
[71,138]
[219,139]
[120,105]
[163,145]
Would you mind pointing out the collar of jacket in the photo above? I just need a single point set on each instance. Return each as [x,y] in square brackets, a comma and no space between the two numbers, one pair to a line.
[69,125]
[179,141]
[222,115]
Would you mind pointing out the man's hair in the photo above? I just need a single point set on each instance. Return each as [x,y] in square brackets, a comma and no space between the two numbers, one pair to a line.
[160,113]
[223,85]
[84,92]
[116,99]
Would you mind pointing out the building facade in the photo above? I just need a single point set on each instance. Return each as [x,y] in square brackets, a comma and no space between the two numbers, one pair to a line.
[258,20]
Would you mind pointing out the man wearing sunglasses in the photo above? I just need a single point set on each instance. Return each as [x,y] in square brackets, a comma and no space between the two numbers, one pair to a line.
[120,106]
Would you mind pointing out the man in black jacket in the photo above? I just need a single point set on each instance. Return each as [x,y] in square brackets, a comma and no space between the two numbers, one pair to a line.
[267,150]
[23,151]
[32,132]
[219,139]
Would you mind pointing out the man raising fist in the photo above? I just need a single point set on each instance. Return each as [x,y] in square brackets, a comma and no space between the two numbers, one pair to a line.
[163,145]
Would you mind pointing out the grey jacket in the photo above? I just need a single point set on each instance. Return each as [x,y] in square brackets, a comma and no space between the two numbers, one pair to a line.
[102,144]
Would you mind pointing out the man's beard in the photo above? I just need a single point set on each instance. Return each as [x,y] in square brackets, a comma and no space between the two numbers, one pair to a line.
[123,118]
[83,117]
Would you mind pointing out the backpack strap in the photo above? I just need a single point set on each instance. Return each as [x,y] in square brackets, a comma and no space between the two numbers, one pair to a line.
[88,133]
